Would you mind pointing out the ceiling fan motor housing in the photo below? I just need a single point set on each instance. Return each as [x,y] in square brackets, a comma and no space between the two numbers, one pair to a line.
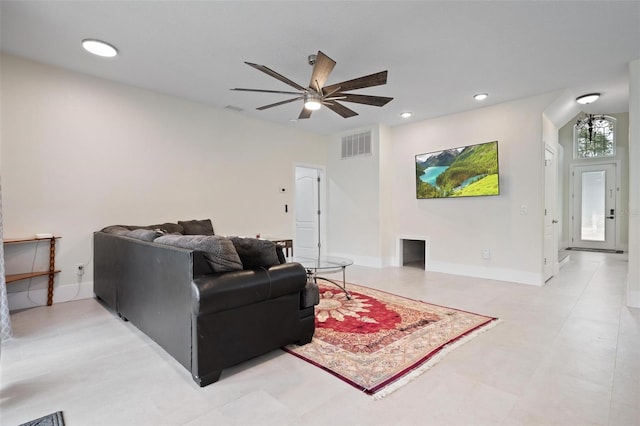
[312,59]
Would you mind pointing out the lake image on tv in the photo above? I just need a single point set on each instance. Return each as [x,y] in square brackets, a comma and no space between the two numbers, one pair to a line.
[460,172]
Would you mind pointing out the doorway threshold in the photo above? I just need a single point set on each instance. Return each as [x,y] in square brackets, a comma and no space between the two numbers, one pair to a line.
[595,249]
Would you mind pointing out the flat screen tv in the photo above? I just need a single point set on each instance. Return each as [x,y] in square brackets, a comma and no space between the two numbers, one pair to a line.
[468,171]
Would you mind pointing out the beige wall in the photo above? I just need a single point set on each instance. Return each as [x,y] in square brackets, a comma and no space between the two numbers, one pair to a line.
[80,153]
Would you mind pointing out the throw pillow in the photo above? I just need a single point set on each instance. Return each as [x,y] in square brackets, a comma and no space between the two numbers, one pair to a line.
[168,228]
[255,253]
[144,234]
[218,251]
[280,253]
[116,229]
[197,227]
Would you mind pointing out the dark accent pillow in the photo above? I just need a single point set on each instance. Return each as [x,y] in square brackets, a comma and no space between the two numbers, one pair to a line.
[197,227]
[218,251]
[280,253]
[116,229]
[255,253]
[168,228]
[145,234]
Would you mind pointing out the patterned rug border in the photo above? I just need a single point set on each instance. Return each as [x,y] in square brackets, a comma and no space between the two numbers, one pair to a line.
[420,366]
[430,360]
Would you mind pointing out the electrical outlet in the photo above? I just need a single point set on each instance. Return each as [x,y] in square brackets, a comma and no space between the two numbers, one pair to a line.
[486,254]
[79,269]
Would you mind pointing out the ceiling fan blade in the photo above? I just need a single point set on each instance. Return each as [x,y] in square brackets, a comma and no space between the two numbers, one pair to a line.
[371,80]
[365,99]
[321,70]
[340,109]
[274,74]
[280,103]
[265,91]
[305,113]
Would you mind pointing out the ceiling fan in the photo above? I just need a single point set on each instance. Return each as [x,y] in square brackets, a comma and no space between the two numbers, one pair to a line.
[317,94]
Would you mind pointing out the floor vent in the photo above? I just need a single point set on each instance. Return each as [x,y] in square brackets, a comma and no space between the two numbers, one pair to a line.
[356,145]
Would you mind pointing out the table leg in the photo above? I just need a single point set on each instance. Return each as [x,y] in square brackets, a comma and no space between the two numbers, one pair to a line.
[342,286]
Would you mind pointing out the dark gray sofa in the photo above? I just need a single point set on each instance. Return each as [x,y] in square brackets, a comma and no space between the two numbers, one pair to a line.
[206,320]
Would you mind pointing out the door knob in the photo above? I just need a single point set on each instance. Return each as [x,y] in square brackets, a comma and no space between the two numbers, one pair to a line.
[554,221]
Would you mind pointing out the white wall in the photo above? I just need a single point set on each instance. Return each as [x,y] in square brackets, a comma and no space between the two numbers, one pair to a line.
[80,153]
[354,202]
[633,277]
[387,245]
[554,209]
[457,230]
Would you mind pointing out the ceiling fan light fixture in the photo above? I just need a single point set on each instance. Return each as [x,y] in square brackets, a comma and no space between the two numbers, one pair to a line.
[588,98]
[317,93]
[480,96]
[99,48]
[312,102]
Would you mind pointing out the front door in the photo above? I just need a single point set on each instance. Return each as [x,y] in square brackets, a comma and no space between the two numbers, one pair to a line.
[594,206]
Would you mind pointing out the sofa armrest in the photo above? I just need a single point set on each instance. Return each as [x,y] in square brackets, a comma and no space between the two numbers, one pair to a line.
[228,290]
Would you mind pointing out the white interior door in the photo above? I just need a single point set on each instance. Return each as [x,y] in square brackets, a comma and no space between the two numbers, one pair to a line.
[594,206]
[550,241]
[306,242]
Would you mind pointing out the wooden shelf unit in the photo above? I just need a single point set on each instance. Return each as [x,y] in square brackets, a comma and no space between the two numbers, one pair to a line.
[10,278]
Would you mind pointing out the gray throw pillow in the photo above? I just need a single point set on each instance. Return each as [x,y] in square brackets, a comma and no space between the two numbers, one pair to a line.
[255,253]
[144,234]
[218,251]
[116,230]
[197,227]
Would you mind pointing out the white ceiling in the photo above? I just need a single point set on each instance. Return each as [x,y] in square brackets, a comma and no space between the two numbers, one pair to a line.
[438,54]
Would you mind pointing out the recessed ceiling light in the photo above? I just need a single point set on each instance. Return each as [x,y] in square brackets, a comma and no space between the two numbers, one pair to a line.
[481,96]
[99,48]
[588,98]
[406,114]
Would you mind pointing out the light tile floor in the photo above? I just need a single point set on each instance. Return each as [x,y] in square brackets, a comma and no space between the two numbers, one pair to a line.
[567,353]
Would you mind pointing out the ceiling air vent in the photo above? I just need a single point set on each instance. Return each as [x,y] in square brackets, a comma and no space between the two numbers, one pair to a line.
[356,145]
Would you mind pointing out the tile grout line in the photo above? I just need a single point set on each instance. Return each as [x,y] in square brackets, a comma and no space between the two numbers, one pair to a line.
[615,359]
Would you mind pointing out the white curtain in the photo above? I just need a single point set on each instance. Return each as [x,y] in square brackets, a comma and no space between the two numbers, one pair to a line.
[5,320]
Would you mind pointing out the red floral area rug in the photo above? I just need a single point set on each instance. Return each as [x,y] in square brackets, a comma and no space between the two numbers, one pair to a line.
[378,341]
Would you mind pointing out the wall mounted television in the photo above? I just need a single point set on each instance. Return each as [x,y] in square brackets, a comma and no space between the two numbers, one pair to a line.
[467,171]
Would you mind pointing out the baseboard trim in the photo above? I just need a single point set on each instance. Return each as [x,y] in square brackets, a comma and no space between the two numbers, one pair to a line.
[498,274]
[372,262]
[633,298]
[61,294]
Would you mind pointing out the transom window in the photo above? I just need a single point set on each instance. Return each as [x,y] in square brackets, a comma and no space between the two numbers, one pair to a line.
[594,136]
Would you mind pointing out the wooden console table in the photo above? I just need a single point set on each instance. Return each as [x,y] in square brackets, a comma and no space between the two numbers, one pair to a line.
[286,244]
[52,264]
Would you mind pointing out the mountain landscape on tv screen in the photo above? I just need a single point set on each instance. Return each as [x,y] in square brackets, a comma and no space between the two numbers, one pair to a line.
[460,172]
